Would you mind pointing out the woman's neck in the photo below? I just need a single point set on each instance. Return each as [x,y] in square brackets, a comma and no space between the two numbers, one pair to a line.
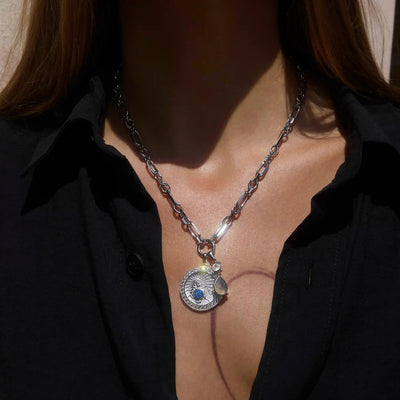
[201,74]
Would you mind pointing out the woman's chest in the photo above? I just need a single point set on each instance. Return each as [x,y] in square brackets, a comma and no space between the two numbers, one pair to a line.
[218,352]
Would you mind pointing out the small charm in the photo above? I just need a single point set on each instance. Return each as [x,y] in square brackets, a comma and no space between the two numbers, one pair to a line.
[221,286]
[202,288]
[216,266]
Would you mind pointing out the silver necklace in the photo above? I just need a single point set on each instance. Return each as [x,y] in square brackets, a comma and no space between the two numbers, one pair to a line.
[203,287]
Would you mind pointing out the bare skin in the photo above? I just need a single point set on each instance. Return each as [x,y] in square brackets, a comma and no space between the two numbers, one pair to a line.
[208,89]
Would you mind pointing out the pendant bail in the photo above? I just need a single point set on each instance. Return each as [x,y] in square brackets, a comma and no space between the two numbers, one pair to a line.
[206,254]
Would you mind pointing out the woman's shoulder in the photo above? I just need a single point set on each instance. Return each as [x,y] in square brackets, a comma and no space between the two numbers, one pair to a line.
[386,116]
[20,136]
[376,120]
[18,139]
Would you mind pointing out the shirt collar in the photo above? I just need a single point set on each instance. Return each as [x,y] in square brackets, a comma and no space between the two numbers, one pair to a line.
[88,110]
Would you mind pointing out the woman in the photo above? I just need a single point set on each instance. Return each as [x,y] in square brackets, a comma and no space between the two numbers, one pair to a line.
[118,278]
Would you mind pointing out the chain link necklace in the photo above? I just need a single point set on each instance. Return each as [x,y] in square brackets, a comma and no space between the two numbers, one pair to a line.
[202,288]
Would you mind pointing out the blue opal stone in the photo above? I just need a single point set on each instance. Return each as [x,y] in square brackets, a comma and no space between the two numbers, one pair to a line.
[198,294]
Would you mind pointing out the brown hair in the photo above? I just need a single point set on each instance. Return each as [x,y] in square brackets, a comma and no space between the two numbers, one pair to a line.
[328,38]
[58,38]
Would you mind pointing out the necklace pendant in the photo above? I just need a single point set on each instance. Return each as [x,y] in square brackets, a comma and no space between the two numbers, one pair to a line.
[203,288]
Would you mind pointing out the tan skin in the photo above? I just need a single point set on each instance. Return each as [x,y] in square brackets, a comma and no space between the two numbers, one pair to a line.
[208,89]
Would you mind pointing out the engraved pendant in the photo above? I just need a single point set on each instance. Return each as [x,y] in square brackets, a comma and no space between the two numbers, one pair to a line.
[203,288]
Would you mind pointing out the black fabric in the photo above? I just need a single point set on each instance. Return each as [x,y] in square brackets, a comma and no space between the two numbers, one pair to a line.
[84,305]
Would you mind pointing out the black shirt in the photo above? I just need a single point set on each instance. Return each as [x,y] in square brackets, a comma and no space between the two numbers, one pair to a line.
[84,303]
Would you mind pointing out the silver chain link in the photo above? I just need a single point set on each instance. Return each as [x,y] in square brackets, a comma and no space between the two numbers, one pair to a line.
[244,197]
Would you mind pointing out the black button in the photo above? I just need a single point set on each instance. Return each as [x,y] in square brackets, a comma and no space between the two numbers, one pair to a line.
[134,265]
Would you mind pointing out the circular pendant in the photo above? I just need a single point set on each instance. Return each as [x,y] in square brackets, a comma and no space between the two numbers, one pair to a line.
[198,288]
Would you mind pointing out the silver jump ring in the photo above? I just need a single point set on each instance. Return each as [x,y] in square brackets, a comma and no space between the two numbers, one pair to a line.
[209,243]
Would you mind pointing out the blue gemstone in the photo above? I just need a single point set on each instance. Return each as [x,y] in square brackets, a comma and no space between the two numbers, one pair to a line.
[198,294]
